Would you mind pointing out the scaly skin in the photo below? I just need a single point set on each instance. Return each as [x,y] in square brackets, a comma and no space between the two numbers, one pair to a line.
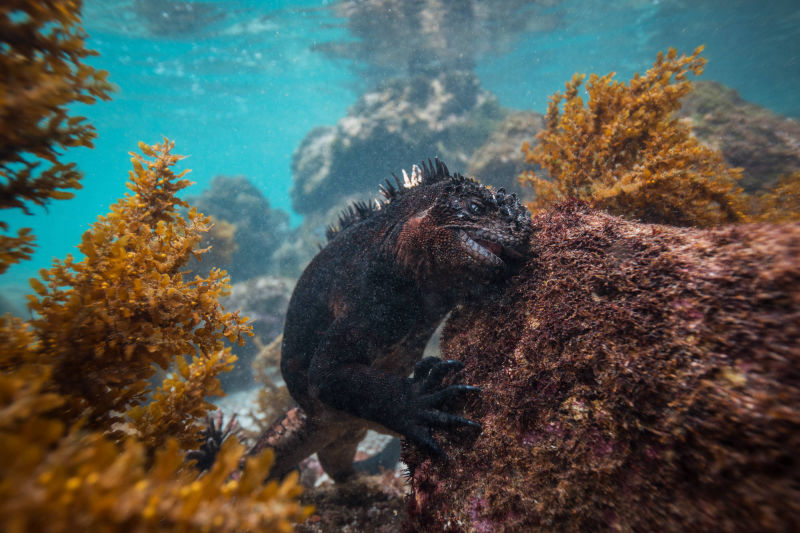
[365,307]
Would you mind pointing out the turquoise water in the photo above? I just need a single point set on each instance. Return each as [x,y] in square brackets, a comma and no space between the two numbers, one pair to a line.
[238,84]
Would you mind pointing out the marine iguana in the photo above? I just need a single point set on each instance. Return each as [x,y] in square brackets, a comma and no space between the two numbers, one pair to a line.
[366,305]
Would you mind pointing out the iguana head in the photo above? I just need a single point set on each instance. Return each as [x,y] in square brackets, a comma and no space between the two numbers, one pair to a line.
[456,226]
[444,228]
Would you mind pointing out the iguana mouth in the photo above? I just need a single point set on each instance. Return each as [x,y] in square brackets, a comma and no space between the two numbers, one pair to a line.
[482,247]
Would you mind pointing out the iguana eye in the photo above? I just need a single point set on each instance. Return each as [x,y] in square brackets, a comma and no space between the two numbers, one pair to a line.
[475,208]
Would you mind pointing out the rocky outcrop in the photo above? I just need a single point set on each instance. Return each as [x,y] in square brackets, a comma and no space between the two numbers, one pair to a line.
[764,144]
[389,129]
[500,160]
[634,378]
[262,241]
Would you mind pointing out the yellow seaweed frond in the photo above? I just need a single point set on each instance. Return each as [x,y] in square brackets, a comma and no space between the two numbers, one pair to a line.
[87,483]
[222,240]
[82,448]
[626,153]
[15,249]
[180,402]
[42,49]
[781,203]
[18,341]
[104,322]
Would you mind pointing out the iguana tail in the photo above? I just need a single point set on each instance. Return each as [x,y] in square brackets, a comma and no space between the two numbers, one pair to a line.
[296,435]
[293,437]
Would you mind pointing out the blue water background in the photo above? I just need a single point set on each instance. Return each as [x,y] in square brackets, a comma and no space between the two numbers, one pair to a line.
[239,94]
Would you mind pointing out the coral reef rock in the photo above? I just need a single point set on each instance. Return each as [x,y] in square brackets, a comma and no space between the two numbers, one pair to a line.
[407,120]
[764,144]
[264,301]
[634,377]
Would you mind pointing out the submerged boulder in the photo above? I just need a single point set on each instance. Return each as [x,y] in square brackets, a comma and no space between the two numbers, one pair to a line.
[634,377]
[501,160]
[256,236]
[264,300]
[405,121]
[766,145]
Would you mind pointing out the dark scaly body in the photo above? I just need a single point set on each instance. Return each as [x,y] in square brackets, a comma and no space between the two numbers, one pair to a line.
[367,304]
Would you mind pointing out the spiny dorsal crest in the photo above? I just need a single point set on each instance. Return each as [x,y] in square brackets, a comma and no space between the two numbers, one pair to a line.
[390,190]
[430,172]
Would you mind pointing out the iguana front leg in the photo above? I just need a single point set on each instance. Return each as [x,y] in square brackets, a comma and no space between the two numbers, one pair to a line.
[340,377]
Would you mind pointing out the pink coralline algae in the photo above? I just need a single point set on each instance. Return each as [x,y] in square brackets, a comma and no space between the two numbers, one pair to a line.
[634,377]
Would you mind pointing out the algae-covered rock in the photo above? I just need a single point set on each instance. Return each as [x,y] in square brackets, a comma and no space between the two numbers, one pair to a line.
[363,503]
[634,378]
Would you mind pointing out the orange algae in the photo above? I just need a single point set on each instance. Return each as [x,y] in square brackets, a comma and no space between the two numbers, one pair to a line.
[82,446]
[221,241]
[42,48]
[84,482]
[780,203]
[104,322]
[626,153]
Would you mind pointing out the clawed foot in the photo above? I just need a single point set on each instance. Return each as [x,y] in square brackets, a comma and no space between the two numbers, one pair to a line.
[427,396]
[214,435]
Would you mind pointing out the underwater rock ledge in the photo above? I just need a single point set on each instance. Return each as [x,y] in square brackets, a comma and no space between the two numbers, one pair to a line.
[388,127]
[635,377]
